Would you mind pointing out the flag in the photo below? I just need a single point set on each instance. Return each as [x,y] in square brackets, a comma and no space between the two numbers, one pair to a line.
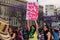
[32,11]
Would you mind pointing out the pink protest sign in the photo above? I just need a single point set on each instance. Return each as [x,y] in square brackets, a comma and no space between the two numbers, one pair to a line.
[32,11]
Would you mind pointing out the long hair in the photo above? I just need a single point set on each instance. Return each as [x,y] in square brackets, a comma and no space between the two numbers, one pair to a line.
[11,29]
[47,26]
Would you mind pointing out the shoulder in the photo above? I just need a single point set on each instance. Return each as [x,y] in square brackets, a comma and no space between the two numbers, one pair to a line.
[48,33]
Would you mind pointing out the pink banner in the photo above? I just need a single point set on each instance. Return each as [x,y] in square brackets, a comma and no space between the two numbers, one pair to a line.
[32,11]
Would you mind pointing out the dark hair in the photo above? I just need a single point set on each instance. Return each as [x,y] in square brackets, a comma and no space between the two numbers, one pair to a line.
[56,31]
[12,29]
[31,28]
[47,26]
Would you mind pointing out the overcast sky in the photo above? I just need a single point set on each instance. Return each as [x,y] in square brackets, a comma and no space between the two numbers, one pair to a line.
[44,2]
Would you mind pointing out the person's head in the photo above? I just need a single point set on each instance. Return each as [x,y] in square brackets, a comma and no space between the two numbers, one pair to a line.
[10,30]
[33,26]
[45,28]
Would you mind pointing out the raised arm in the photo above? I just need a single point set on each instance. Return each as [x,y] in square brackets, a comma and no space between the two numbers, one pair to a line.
[36,26]
[49,35]
[28,25]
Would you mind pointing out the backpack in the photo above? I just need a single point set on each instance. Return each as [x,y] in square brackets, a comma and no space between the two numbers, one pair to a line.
[19,36]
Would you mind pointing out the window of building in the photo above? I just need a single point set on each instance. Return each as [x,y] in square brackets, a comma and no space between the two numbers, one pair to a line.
[6,11]
[16,23]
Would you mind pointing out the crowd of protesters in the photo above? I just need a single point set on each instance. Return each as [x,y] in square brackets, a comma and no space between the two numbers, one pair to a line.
[34,32]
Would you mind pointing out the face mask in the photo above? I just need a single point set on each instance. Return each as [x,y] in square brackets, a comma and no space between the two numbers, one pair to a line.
[32,32]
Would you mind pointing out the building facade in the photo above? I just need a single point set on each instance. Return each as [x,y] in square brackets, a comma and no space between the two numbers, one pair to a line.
[58,11]
[49,10]
[10,10]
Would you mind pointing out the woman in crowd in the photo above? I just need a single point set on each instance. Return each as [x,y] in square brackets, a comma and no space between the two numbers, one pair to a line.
[47,34]
[33,31]
[12,33]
